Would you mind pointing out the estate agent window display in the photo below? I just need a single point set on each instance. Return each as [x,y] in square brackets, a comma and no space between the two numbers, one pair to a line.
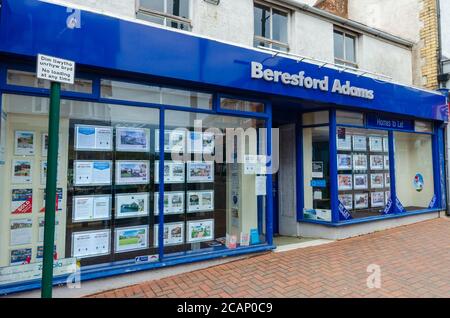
[363,171]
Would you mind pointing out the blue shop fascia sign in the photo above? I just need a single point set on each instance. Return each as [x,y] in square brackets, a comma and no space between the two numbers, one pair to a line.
[389,122]
[245,69]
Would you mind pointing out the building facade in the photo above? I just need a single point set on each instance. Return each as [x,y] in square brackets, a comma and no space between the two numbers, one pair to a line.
[445,44]
[201,129]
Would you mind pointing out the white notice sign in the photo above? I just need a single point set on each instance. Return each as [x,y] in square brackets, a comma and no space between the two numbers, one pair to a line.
[55,69]
[261,185]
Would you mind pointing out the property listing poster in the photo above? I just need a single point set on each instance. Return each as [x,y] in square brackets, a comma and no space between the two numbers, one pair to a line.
[22,201]
[88,208]
[24,143]
[22,171]
[21,231]
[132,139]
[90,244]
[132,172]
[174,141]
[92,173]
[200,171]
[20,256]
[200,231]
[131,239]
[173,202]
[132,205]
[173,172]
[173,234]
[200,201]
[94,138]
[41,224]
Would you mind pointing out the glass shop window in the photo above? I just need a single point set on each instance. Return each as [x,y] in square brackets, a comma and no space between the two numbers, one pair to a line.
[212,201]
[349,118]
[316,169]
[29,79]
[315,118]
[241,105]
[171,13]
[423,126]
[105,182]
[363,171]
[155,94]
[414,170]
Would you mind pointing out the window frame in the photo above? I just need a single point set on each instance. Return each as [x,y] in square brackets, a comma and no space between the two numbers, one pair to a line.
[270,42]
[346,34]
[165,16]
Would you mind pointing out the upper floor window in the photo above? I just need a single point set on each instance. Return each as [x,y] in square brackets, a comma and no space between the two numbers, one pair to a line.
[271,27]
[345,48]
[171,13]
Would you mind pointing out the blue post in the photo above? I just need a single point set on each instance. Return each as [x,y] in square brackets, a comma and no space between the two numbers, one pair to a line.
[299,168]
[333,168]
[392,171]
[442,166]
[436,165]
[161,185]
[269,214]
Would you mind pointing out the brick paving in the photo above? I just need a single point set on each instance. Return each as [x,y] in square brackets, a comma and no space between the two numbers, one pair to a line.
[414,262]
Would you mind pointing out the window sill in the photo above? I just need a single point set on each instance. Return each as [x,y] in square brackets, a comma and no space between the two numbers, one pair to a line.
[371,219]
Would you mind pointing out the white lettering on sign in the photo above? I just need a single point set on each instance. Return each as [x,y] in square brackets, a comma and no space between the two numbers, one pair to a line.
[55,69]
[390,123]
[301,80]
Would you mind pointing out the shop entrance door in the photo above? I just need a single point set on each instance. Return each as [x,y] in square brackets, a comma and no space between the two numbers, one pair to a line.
[276,226]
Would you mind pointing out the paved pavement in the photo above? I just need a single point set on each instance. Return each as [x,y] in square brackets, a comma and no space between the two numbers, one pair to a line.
[414,261]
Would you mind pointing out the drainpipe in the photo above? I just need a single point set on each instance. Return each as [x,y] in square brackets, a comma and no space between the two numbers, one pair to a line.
[441,71]
[439,30]
[446,166]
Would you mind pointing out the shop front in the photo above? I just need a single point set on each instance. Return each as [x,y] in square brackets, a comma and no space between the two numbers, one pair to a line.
[168,155]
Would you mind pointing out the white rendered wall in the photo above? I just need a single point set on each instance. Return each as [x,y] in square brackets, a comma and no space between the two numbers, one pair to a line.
[445,27]
[398,17]
[231,20]
[311,36]
[385,58]
[118,7]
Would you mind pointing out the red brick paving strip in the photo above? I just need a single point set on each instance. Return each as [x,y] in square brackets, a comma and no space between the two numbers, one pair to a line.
[414,261]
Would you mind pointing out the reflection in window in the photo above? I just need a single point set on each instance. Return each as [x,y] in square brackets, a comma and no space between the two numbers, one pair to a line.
[315,118]
[241,105]
[154,94]
[29,79]
[414,170]
[349,118]
[423,126]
